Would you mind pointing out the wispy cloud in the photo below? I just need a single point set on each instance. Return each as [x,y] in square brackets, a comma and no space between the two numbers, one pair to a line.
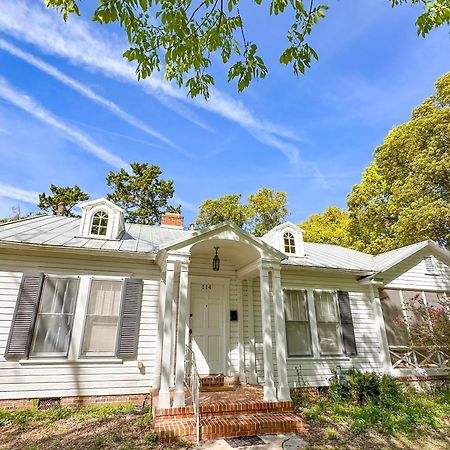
[87,92]
[26,103]
[185,204]
[81,45]
[15,193]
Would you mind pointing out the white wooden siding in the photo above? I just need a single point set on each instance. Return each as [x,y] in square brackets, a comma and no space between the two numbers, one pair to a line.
[411,274]
[30,380]
[317,371]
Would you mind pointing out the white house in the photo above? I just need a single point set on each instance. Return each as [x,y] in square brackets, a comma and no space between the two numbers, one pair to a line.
[99,307]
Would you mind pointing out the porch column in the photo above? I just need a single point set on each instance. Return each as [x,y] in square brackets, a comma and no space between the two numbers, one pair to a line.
[159,343]
[164,393]
[269,387]
[178,399]
[253,379]
[283,391]
[385,356]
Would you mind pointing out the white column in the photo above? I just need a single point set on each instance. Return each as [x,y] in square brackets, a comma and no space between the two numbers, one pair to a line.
[269,387]
[283,391]
[385,356]
[164,393]
[178,399]
[159,342]
[240,332]
[253,379]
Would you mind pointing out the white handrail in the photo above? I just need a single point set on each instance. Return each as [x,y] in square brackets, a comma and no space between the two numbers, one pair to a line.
[192,382]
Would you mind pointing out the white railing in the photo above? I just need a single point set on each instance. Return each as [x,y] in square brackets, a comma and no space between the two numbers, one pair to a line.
[192,382]
[418,358]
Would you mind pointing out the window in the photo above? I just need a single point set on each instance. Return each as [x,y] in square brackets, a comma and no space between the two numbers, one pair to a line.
[289,242]
[430,266]
[328,328]
[99,223]
[102,318]
[55,317]
[297,323]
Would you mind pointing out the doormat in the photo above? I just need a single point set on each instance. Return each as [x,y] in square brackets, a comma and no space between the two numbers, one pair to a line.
[244,441]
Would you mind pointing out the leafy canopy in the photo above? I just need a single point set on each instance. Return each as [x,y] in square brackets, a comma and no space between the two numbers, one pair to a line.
[263,211]
[404,195]
[64,198]
[330,227]
[266,209]
[183,38]
[142,194]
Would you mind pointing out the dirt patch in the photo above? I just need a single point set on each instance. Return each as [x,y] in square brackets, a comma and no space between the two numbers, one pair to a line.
[116,432]
[339,436]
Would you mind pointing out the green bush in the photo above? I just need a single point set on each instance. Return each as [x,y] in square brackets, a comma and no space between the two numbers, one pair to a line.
[365,387]
[150,438]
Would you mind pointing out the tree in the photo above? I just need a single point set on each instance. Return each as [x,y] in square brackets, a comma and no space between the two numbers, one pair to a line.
[263,211]
[142,194]
[185,37]
[62,200]
[330,227]
[427,325]
[226,208]
[404,195]
[266,209]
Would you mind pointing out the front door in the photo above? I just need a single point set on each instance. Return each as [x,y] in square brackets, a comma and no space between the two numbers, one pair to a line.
[206,324]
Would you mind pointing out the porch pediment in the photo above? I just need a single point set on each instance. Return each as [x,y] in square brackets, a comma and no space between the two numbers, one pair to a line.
[225,231]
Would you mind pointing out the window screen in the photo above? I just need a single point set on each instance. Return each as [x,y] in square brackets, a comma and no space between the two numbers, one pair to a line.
[297,323]
[55,317]
[328,323]
[102,318]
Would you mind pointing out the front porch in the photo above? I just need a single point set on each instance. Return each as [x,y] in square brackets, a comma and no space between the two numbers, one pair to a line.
[225,316]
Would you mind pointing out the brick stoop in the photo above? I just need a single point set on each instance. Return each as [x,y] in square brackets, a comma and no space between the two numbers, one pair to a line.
[229,426]
[240,413]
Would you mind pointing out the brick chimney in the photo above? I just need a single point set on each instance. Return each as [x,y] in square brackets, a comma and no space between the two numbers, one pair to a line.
[60,209]
[172,220]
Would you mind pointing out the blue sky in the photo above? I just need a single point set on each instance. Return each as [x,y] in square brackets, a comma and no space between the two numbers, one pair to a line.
[71,108]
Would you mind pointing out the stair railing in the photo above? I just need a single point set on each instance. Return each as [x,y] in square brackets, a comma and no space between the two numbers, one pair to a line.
[192,382]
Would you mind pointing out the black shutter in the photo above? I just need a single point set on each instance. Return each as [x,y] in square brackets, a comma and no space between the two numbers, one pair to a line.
[348,331]
[22,325]
[130,313]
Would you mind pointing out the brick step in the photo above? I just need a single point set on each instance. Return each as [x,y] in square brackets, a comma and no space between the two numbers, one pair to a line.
[224,409]
[218,427]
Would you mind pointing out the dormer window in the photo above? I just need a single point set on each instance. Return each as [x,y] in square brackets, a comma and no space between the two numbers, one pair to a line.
[289,242]
[99,225]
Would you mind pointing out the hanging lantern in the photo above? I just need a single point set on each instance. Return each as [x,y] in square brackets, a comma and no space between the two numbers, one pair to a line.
[216,261]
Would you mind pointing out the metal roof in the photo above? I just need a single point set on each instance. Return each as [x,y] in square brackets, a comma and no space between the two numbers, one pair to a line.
[62,232]
[333,257]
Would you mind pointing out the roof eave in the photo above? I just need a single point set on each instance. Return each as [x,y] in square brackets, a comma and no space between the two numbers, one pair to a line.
[78,250]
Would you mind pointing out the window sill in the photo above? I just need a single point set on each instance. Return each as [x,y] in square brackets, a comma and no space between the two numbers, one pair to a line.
[74,362]
[320,358]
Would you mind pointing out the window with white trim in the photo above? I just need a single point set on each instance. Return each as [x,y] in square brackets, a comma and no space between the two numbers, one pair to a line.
[289,242]
[298,332]
[99,225]
[328,323]
[54,319]
[102,318]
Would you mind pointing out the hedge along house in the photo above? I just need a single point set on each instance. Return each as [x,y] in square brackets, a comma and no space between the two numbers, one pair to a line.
[98,308]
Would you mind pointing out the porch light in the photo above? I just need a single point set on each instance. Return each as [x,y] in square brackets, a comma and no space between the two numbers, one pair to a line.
[216,261]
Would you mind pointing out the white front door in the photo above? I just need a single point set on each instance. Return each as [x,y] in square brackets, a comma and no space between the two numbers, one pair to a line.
[207,325]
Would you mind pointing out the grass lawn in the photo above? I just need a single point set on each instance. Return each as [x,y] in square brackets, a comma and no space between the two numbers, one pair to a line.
[417,421]
[414,421]
[106,427]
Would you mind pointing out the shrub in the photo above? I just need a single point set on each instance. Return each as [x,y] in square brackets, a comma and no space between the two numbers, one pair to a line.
[365,387]
[150,438]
